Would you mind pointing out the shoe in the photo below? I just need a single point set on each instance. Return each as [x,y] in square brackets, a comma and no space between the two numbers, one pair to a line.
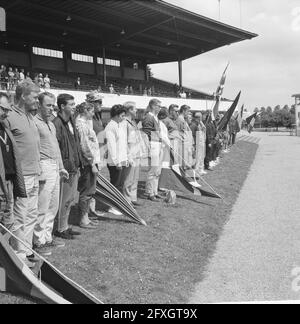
[43,250]
[153,199]
[94,222]
[159,197]
[56,244]
[33,258]
[88,226]
[66,235]
[73,233]
[97,213]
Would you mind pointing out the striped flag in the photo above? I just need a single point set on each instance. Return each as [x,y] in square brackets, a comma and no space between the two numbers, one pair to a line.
[219,93]
[251,122]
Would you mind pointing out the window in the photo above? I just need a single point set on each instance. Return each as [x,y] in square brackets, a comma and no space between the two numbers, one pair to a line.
[109,62]
[82,58]
[47,52]
[135,66]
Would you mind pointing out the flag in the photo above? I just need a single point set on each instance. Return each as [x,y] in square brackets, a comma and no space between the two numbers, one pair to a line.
[2,20]
[44,283]
[108,194]
[239,117]
[251,122]
[219,93]
[226,119]
[173,177]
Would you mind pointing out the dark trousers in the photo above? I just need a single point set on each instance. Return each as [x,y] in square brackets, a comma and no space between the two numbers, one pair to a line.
[232,139]
[118,176]
[208,157]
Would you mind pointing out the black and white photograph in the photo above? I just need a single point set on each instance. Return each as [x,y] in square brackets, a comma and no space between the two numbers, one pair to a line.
[149,154]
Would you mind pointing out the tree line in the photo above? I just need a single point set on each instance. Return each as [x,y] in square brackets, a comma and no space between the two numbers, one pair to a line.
[277,117]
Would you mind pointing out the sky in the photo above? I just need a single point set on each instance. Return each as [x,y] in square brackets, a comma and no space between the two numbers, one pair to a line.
[266,69]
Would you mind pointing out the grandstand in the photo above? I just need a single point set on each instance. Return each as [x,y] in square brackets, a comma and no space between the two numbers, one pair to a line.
[110,42]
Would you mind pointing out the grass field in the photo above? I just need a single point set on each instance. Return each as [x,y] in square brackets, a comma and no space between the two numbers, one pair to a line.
[122,262]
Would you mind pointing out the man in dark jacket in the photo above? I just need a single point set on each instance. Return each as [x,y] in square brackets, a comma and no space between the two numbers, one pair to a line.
[234,128]
[11,177]
[69,144]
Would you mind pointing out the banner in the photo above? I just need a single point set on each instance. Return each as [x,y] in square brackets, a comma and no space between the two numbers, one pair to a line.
[2,20]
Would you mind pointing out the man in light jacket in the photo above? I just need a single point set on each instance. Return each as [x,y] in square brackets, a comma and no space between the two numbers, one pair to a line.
[116,136]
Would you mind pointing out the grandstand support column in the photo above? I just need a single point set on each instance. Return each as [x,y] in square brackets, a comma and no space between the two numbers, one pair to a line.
[122,66]
[30,55]
[66,56]
[180,72]
[104,66]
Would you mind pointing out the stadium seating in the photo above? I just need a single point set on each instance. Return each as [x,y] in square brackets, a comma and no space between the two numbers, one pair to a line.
[158,87]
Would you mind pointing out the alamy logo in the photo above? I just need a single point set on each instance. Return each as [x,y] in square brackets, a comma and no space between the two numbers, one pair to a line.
[296,20]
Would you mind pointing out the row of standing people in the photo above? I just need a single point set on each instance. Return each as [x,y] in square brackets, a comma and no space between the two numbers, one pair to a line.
[46,161]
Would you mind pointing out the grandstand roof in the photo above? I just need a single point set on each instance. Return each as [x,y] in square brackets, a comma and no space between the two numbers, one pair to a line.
[153,30]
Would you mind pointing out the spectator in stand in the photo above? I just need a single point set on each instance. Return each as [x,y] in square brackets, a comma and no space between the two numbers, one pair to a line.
[47,82]
[99,89]
[16,77]
[36,79]
[126,90]
[112,89]
[145,92]
[41,81]
[11,79]
[91,163]
[131,90]
[149,92]
[52,170]
[3,77]
[116,135]
[26,135]
[28,78]
[77,83]
[22,75]
[69,144]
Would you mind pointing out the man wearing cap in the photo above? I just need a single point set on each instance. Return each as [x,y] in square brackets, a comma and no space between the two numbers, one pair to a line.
[11,177]
[95,99]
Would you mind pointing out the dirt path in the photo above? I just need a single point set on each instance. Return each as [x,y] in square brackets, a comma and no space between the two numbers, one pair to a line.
[259,252]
